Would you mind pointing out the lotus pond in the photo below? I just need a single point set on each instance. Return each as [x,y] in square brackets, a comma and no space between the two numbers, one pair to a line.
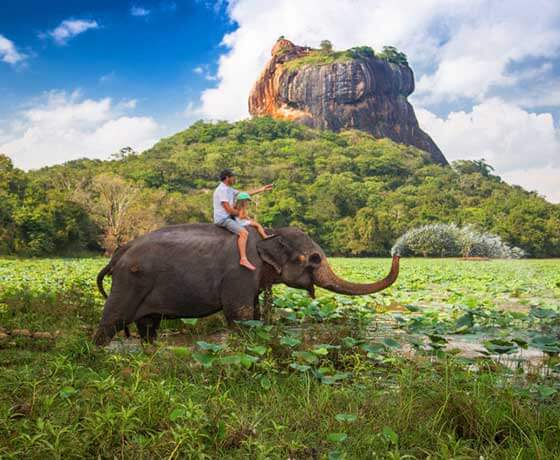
[459,359]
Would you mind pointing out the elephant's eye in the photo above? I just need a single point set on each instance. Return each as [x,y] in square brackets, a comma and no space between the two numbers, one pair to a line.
[315,259]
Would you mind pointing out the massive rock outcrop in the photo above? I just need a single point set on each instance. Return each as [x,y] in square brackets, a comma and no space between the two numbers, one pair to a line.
[340,90]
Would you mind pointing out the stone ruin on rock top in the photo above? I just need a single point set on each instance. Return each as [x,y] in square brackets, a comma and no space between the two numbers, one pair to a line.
[350,89]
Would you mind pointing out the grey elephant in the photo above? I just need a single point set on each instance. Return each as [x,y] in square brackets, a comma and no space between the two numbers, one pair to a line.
[192,270]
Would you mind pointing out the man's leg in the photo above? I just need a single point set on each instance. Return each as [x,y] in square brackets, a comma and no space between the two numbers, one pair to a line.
[242,245]
[242,235]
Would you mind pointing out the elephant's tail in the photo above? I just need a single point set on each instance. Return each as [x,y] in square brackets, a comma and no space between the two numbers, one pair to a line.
[108,269]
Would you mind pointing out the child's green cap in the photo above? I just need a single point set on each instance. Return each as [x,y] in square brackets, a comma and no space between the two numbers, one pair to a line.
[243,196]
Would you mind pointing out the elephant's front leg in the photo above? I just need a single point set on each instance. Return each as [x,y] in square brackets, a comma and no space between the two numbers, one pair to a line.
[238,298]
[239,312]
[267,304]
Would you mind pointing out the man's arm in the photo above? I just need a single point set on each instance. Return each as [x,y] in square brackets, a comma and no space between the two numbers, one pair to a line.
[229,209]
[264,188]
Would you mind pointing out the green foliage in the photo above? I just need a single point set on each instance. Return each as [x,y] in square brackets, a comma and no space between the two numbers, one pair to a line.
[326,379]
[392,54]
[326,46]
[361,52]
[354,194]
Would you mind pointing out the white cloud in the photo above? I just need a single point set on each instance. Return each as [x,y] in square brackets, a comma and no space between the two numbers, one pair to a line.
[139,11]
[543,180]
[521,145]
[65,127]
[198,70]
[69,28]
[458,48]
[9,53]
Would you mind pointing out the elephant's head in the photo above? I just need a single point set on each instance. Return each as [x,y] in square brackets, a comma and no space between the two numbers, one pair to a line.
[299,262]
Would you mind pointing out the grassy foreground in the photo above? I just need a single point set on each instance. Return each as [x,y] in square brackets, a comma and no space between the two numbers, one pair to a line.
[338,377]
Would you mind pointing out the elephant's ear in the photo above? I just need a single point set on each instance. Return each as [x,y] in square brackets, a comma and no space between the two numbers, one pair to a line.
[275,251]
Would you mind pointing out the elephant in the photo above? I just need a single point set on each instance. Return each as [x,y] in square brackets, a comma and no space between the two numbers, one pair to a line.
[192,271]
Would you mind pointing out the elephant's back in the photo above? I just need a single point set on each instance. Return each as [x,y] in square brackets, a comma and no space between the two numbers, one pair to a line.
[172,245]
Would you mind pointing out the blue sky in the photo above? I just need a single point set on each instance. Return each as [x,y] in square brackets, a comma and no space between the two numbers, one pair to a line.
[84,78]
[148,58]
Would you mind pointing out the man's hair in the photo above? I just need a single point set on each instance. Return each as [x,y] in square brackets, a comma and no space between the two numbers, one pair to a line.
[225,174]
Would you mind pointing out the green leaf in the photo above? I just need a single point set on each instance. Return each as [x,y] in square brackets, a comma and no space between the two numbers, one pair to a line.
[437,339]
[203,358]
[177,413]
[500,346]
[306,356]
[265,382]
[465,322]
[349,342]
[189,321]
[258,350]
[391,343]
[210,346]
[337,437]
[290,341]
[181,352]
[390,435]
[300,367]
[335,455]
[332,379]
[67,391]
[247,360]
[346,417]
[412,308]
[230,360]
[521,343]
[546,391]
[373,347]
[320,351]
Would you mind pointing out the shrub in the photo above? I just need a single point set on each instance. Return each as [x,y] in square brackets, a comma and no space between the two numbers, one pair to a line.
[326,46]
[449,240]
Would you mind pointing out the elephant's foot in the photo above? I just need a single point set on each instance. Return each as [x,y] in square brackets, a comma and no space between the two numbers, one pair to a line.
[147,328]
[103,335]
[244,313]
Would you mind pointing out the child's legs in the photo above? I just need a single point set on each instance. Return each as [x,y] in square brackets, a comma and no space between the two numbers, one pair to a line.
[259,228]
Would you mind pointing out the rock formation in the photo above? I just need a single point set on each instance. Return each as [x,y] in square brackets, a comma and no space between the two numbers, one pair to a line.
[340,90]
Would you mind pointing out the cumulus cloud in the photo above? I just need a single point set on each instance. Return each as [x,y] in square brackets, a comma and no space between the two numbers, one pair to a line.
[542,180]
[458,48]
[70,28]
[9,53]
[524,147]
[65,127]
[139,11]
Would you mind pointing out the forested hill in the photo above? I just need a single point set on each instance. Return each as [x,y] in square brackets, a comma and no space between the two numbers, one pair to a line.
[354,194]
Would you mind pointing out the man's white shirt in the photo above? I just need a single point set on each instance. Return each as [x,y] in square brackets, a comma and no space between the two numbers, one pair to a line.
[222,193]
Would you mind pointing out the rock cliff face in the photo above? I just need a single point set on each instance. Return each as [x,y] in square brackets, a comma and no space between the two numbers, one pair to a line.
[338,92]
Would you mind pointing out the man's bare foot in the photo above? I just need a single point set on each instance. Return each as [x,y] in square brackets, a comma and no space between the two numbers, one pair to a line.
[248,265]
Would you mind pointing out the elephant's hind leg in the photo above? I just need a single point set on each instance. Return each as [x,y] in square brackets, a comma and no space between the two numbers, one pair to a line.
[147,328]
[119,311]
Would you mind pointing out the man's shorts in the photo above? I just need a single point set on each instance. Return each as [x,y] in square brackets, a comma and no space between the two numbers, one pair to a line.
[231,224]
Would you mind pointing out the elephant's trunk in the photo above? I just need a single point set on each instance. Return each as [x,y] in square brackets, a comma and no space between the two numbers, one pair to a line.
[326,278]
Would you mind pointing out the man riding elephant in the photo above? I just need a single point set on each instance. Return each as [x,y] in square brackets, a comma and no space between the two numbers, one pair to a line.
[225,213]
